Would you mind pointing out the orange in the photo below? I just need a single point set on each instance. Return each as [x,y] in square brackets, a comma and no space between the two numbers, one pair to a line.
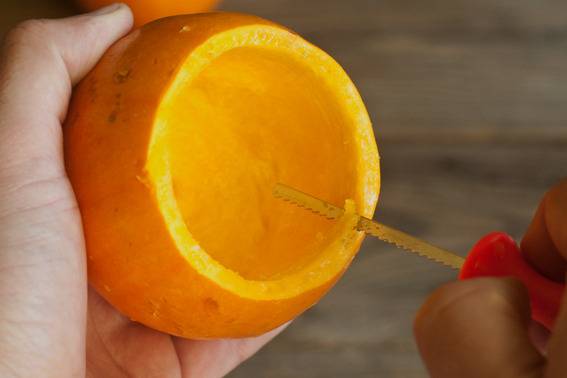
[173,145]
[150,10]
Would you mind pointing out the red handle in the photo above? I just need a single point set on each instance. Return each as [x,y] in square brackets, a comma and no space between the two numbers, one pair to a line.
[497,255]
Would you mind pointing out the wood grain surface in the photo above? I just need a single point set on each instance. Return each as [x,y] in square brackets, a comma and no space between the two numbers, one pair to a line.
[469,102]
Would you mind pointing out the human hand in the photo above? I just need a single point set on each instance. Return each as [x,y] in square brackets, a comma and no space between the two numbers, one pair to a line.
[482,327]
[51,324]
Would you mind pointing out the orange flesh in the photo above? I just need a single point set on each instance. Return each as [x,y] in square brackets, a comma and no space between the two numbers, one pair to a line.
[251,118]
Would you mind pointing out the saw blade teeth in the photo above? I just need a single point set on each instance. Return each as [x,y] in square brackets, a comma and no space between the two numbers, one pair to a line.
[390,235]
[410,244]
[415,251]
[418,252]
[320,208]
[431,258]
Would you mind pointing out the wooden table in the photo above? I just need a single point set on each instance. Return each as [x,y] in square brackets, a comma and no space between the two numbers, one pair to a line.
[469,102]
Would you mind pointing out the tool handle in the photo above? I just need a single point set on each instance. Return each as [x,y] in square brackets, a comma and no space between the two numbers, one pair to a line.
[497,255]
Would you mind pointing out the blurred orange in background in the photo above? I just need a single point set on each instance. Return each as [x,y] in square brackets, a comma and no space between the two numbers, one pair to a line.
[149,10]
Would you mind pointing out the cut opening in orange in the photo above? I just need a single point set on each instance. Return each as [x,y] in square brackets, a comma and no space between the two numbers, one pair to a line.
[242,116]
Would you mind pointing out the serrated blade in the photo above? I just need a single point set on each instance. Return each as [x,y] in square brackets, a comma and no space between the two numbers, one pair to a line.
[370,227]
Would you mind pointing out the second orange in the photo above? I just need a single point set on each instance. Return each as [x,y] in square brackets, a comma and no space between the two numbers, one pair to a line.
[150,10]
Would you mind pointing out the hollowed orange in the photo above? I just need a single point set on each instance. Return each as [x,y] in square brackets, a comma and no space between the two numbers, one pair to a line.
[173,145]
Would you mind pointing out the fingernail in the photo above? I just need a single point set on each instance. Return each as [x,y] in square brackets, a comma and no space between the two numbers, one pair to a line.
[107,10]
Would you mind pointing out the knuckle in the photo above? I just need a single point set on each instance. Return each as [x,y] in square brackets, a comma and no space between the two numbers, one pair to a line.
[494,296]
[454,302]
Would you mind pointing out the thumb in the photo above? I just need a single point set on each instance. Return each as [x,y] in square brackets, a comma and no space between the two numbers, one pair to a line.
[41,61]
[478,328]
[43,282]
